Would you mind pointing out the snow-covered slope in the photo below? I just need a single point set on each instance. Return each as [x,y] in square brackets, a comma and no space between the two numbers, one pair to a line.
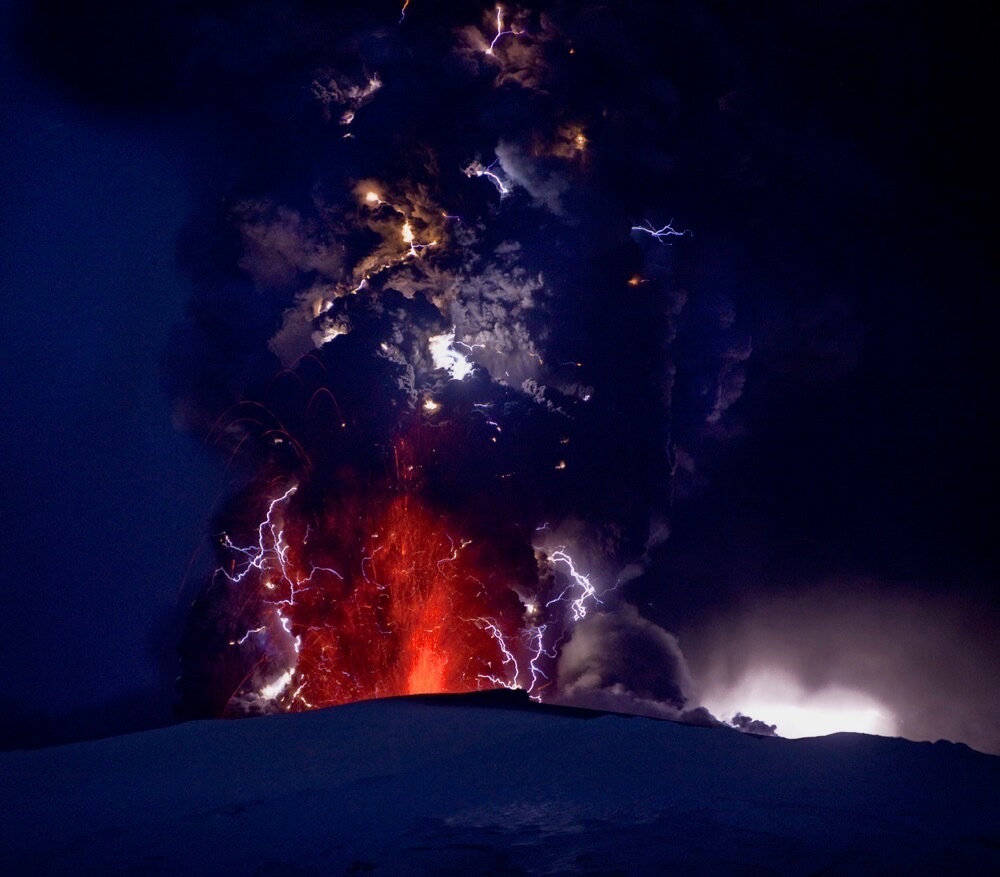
[492,786]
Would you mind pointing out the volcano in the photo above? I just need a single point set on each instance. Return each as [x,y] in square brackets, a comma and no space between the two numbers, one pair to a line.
[494,783]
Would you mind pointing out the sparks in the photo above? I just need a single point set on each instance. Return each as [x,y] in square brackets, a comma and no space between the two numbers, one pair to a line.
[357,576]
[395,613]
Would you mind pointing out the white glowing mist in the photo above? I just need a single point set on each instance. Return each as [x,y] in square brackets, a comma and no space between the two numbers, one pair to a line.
[272,690]
[775,697]
[445,356]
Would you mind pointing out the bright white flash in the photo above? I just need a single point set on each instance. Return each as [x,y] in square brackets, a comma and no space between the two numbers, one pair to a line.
[776,698]
[445,356]
[273,689]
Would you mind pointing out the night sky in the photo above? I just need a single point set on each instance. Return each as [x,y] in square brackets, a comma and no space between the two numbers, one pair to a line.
[778,439]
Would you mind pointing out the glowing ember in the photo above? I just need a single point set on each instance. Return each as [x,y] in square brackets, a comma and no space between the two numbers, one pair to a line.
[404,628]
[358,589]
[368,593]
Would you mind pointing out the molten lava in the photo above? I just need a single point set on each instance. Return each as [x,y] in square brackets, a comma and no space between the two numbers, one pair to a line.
[411,612]
[365,594]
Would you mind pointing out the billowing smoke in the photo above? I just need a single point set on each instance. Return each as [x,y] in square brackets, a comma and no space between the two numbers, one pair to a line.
[441,332]
[473,297]
[432,327]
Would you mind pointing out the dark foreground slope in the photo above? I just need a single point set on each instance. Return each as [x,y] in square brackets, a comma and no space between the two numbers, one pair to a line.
[460,787]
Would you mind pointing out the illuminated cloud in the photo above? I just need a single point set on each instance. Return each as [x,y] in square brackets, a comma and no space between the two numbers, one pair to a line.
[853,656]
[330,89]
[446,357]
[383,206]
[775,697]
[546,186]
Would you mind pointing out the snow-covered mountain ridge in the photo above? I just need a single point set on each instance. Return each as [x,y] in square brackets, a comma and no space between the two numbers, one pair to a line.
[458,786]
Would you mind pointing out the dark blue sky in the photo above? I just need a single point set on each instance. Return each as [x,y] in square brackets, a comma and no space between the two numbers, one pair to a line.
[104,501]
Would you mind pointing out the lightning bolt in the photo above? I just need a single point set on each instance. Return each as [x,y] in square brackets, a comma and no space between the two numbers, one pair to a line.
[587,590]
[258,554]
[508,657]
[661,234]
[500,31]
[478,169]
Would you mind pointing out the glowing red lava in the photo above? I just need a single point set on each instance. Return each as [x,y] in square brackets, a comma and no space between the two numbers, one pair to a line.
[372,594]
[414,619]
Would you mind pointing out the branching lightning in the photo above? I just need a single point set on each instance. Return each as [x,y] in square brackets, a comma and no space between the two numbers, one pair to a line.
[478,169]
[500,31]
[661,234]
[587,591]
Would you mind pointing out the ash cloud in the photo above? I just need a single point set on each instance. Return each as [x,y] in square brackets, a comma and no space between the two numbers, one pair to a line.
[378,236]
[750,725]
[343,236]
[620,660]
[827,225]
[546,186]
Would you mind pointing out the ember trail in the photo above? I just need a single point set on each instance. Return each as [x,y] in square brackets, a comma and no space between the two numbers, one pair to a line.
[367,595]
[346,588]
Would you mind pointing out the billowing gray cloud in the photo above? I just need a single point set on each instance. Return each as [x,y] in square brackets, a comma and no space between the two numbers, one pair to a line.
[621,661]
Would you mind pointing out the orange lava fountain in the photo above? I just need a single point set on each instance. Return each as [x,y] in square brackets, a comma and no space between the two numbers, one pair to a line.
[374,595]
